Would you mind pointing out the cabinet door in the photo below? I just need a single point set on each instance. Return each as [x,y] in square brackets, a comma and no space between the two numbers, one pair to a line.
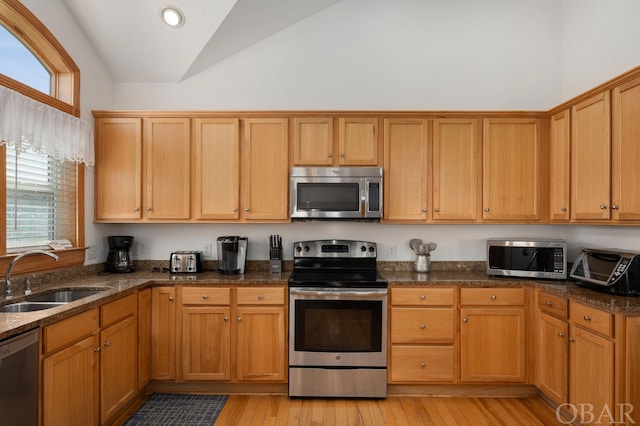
[167,183]
[591,159]
[511,170]
[553,358]
[492,345]
[266,169]
[559,166]
[591,373]
[313,142]
[118,367]
[163,333]
[217,186]
[625,172]
[406,166]
[70,385]
[456,169]
[206,343]
[144,338]
[358,142]
[261,352]
[118,171]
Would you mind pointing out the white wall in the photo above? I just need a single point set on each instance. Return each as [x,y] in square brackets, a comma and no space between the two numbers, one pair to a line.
[379,54]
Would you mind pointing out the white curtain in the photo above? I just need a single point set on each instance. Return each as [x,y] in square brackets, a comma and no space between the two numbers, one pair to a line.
[45,129]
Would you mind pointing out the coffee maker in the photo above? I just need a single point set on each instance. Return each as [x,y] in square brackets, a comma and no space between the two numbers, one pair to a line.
[119,256]
[232,254]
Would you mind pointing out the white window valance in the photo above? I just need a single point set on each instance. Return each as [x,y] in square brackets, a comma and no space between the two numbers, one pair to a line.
[44,129]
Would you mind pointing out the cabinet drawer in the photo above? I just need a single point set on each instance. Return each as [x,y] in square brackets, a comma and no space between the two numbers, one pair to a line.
[65,332]
[115,311]
[422,296]
[591,318]
[261,296]
[494,296]
[206,295]
[553,304]
[422,363]
[422,325]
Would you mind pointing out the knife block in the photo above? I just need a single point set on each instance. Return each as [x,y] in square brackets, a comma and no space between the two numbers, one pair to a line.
[275,266]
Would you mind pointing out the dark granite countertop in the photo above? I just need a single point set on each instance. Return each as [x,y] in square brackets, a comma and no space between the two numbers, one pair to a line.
[117,285]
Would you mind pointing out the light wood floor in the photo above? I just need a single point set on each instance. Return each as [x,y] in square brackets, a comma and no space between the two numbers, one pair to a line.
[403,410]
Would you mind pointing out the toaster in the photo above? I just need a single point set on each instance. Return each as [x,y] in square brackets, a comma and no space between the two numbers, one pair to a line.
[185,262]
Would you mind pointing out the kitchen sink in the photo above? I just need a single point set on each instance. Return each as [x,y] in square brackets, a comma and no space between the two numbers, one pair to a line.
[29,306]
[64,296]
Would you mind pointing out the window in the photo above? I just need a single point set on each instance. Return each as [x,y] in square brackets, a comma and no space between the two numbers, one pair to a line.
[44,199]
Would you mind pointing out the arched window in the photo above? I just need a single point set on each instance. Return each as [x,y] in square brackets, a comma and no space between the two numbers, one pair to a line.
[44,199]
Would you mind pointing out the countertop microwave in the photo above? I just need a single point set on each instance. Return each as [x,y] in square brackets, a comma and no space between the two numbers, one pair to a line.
[529,258]
[343,193]
[610,271]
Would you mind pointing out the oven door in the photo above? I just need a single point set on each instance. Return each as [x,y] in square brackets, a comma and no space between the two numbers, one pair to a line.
[338,327]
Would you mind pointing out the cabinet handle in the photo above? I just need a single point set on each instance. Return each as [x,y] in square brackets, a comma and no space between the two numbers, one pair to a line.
[602,206]
[235,209]
[107,344]
[587,318]
[226,318]
[423,365]
[205,297]
[260,297]
[464,319]
[424,210]
[329,155]
[563,209]
[148,209]
[494,297]
[96,349]
[342,155]
[422,326]
[239,318]
[549,303]
[560,334]
[437,210]
[614,207]
[246,209]
[136,209]
[422,297]
[571,340]
[486,209]
[170,298]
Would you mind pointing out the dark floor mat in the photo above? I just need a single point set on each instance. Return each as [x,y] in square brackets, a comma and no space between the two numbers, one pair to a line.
[179,409]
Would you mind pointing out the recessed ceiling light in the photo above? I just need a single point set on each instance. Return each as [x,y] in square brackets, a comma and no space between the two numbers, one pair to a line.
[172,16]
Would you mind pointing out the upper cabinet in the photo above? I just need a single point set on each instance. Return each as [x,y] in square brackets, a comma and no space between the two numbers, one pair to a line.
[625,200]
[313,142]
[591,158]
[358,142]
[406,166]
[512,169]
[559,166]
[456,169]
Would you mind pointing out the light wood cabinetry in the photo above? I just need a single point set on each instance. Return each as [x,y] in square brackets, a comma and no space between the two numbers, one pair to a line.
[265,169]
[118,172]
[559,167]
[206,333]
[358,142]
[512,169]
[591,159]
[625,200]
[457,161]
[217,165]
[406,166]
[144,337]
[492,335]
[70,373]
[163,333]
[422,335]
[313,141]
[118,355]
[261,334]
[553,351]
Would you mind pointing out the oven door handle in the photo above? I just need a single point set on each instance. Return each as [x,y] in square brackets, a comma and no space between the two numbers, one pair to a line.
[365,294]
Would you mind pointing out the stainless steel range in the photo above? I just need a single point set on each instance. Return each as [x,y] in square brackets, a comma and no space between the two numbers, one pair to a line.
[338,321]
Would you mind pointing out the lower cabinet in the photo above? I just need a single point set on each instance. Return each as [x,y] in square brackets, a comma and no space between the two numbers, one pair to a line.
[163,333]
[553,358]
[89,368]
[492,335]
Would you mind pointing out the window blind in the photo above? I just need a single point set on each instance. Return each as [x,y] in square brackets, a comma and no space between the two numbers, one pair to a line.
[41,199]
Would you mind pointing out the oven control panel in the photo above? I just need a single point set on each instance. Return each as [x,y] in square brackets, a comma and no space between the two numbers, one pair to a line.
[335,248]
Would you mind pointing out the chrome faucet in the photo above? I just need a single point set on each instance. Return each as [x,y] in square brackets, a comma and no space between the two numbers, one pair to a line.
[7,277]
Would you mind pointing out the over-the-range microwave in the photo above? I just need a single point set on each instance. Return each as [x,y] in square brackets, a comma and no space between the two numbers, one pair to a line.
[347,193]
[529,258]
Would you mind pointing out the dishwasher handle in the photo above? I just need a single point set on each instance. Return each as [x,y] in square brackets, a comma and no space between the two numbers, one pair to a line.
[15,344]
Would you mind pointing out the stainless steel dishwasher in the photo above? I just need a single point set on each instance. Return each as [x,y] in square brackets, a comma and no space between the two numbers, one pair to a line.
[19,379]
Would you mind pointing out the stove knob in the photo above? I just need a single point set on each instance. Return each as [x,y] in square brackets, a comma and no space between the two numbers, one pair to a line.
[298,249]
[306,248]
[363,249]
[371,249]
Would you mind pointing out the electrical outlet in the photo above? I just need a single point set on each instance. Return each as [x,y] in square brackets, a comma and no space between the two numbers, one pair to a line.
[92,252]
[392,252]
[207,250]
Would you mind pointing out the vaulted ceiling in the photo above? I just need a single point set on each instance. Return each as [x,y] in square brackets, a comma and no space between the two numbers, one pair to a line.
[137,46]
